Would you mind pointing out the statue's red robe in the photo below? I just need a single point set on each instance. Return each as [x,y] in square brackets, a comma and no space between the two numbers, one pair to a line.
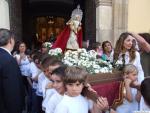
[63,37]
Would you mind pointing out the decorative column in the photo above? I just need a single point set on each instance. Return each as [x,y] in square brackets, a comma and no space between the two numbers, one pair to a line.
[120,17]
[111,19]
[4,14]
[104,19]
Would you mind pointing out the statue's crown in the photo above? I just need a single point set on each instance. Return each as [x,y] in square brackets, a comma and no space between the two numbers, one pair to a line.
[77,12]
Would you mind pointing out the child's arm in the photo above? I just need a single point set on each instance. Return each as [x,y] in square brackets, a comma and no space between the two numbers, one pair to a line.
[136,85]
[138,96]
[128,94]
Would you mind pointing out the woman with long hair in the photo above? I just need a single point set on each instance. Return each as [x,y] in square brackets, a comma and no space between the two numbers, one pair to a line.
[126,52]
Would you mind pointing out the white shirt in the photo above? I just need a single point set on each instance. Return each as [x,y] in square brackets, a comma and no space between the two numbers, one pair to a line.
[41,78]
[53,102]
[34,71]
[136,62]
[44,83]
[78,104]
[49,93]
[24,65]
[128,107]
[143,106]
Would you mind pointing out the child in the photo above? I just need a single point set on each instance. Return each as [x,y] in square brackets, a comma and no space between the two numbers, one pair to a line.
[73,101]
[145,91]
[34,71]
[57,79]
[131,95]
[48,65]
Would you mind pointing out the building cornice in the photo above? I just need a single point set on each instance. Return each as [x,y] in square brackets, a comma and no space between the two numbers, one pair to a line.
[103,3]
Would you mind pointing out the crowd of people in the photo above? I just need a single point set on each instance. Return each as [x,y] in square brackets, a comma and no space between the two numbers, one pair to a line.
[52,87]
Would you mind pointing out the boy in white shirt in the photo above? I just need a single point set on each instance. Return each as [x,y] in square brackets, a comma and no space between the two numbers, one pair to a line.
[73,101]
[34,71]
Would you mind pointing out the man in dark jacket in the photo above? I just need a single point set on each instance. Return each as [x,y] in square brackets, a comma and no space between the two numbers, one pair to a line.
[11,85]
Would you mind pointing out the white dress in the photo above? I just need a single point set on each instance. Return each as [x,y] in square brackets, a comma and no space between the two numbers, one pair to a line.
[24,65]
[128,107]
[72,41]
[53,102]
[136,62]
[78,104]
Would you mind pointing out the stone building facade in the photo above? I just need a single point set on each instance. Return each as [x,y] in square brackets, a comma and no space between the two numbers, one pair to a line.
[103,19]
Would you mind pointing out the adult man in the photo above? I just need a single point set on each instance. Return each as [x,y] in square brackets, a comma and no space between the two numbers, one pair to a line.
[11,85]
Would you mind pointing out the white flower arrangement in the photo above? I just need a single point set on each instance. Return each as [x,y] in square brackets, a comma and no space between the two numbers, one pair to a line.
[118,65]
[47,44]
[56,52]
[83,59]
[87,60]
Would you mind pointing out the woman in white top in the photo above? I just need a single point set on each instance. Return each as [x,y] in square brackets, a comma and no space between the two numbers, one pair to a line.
[22,59]
[125,52]
[24,65]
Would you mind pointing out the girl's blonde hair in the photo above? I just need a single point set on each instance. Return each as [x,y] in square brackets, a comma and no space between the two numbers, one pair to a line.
[129,68]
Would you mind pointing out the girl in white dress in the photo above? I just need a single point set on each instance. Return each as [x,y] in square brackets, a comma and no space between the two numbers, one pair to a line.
[131,95]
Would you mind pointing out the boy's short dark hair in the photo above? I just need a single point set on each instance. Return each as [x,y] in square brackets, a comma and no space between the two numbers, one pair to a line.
[37,56]
[50,61]
[60,71]
[74,74]
[145,90]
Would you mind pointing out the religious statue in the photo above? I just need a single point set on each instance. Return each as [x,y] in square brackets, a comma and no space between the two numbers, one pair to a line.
[71,36]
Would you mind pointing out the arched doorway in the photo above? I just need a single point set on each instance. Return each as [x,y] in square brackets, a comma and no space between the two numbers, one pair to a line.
[42,18]
[23,23]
